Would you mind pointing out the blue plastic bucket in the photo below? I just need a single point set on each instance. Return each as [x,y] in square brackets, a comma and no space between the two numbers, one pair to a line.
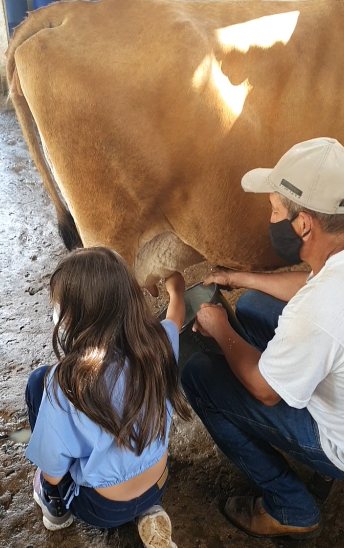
[42,3]
[16,12]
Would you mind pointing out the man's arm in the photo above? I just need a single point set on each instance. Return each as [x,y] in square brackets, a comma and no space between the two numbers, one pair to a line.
[242,358]
[281,285]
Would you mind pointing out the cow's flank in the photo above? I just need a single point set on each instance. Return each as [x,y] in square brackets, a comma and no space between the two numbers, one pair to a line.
[151,111]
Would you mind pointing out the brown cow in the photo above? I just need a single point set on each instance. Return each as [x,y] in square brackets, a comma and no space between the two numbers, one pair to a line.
[151,111]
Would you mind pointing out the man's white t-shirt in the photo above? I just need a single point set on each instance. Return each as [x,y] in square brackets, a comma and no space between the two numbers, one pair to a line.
[304,362]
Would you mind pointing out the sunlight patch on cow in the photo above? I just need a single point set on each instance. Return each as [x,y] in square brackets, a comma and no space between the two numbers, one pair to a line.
[234,96]
[263,32]
[202,72]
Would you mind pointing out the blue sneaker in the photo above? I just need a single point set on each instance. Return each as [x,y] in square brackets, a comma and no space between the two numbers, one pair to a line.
[155,528]
[55,514]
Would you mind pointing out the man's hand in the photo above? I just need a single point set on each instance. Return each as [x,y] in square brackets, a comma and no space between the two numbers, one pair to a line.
[225,276]
[210,319]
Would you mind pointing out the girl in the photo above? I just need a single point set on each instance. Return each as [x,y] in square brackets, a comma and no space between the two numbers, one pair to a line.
[101,416]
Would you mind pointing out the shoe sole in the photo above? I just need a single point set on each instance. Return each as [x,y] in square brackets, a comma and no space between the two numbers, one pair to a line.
[46,522]
[155,531]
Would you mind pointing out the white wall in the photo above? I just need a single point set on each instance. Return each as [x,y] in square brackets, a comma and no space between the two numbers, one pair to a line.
[3,45]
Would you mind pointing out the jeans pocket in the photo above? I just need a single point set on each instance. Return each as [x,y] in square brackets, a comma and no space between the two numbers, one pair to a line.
[316,434]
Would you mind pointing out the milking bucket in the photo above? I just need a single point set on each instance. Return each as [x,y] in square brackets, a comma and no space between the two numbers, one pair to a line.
[190,342]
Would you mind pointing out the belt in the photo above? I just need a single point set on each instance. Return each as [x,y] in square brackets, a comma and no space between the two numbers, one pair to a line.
[163,478]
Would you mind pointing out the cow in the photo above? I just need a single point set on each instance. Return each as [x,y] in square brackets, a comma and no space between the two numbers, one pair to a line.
[149,112]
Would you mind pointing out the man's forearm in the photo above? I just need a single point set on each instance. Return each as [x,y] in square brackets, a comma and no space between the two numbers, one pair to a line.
[243,360]
[281,285]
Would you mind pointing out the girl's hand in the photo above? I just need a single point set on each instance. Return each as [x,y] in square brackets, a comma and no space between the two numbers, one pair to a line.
[175,283]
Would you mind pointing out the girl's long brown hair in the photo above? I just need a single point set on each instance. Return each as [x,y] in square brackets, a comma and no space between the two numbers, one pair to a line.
[105,323]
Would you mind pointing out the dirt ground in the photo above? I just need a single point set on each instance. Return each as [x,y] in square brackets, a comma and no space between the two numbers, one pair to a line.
[201,479]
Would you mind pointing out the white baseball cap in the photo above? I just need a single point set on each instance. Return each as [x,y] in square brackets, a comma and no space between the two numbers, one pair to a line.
[310,174]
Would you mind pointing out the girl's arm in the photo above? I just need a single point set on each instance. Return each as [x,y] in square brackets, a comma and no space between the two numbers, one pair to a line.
[51,480]
[175,286]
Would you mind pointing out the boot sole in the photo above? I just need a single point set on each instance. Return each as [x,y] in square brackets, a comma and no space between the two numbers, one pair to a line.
[295,536]
[155,531]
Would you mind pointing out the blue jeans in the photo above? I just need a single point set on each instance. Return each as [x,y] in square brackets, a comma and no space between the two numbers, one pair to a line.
[89,506]
[248,432]
[258,314]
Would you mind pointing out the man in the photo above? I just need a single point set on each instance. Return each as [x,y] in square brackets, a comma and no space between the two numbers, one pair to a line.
[283,388]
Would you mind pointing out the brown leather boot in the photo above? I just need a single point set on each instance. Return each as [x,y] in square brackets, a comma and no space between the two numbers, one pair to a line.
[248,514]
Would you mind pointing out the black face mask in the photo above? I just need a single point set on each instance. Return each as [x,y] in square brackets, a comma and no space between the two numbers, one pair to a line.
[285,242]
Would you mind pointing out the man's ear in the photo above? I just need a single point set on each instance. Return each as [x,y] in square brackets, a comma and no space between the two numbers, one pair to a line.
[306,224]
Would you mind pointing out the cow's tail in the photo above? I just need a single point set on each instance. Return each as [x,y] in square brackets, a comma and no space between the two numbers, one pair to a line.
[33,24]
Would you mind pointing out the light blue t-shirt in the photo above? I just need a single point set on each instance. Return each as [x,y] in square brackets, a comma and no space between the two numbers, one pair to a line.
[67,440]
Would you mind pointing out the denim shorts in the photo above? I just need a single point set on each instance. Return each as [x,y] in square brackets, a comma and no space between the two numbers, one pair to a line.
[94,509]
